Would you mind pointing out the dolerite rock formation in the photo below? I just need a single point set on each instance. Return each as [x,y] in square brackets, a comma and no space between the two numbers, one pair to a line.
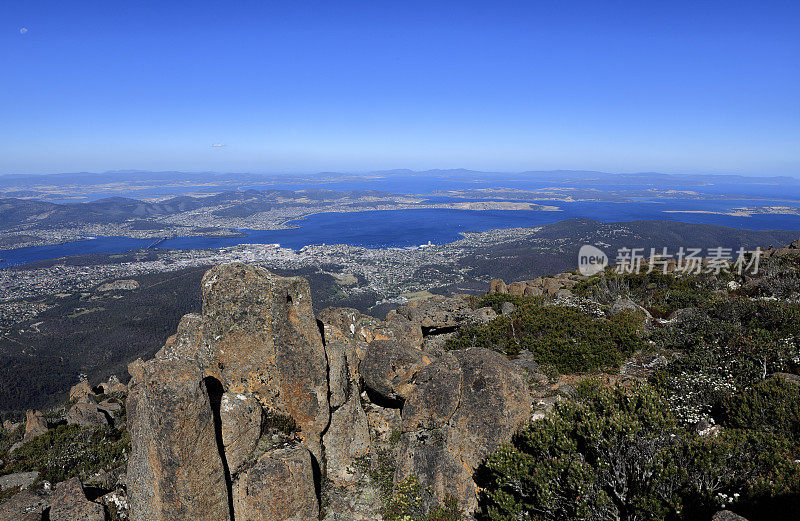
[69,503]
[260,337]
[461,408]
[195,410]
[254,403]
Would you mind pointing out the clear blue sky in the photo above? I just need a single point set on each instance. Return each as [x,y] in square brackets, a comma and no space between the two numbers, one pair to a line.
[291,86]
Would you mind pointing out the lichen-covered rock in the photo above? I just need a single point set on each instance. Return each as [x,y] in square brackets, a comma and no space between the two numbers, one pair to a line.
[175,471]
[27,505]
[241,418]
[346,440]
[86,414]
[389,367]
[278,487]
[347,437]
[113,386]
[435,313]
[69,503]
[18,480]
[498,286]
[260,337]
[81,392]
[727,515]
[35,425]
[461,408]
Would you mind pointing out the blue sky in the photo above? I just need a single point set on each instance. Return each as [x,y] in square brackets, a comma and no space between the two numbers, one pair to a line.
[295,86]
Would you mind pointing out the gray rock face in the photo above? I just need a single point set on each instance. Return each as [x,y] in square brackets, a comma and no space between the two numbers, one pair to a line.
[347,437]
[81,392]
[18,480]
[175,471]
[279,487]
[69,503]
[196,411]
[113,385]
[727,515]
[35,425]
[260,337]
[461,408]
[86,414]
[241,416]
[28,505]
[435,313]
[389,367]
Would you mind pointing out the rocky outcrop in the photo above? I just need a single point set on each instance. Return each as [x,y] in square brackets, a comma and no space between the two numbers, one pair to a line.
[28,505]
[389,367]
[200,444]
[69,503]
[175,470]
[35,425]
[540,286]
[251,403]
[81,392]
[278,487]
[260,337]
[87,414]
[347,439]
[461,408]
[435,313]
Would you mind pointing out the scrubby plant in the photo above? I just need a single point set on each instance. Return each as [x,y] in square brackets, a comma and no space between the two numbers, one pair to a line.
[621,454]
[70,450]
[407,500]
[565,337]
[772,406]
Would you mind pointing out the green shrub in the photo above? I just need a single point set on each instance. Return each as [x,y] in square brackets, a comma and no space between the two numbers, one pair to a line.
[407,500]
[70,450]
[621,454]
[562,336]
[659,293]
[771,406]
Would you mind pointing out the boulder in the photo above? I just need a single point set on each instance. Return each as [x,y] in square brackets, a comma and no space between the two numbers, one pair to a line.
[435,313]
[112,407]
[81,392]
[35,425]
[507,308]
[113,386]
[278,487]
[389,367]
[347,438]
[533,291]
[27,505]
[497,286]
[21,480]
[175,470]
[260,337]
[460,409]
[241,419]
[87,414]
[727,515]
[69,503]
[482,316]
[517,288]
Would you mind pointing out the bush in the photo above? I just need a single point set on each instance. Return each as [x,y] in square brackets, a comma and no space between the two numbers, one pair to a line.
[659,293]
[620,454]
[69,450]
[772,406]
[562,336]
